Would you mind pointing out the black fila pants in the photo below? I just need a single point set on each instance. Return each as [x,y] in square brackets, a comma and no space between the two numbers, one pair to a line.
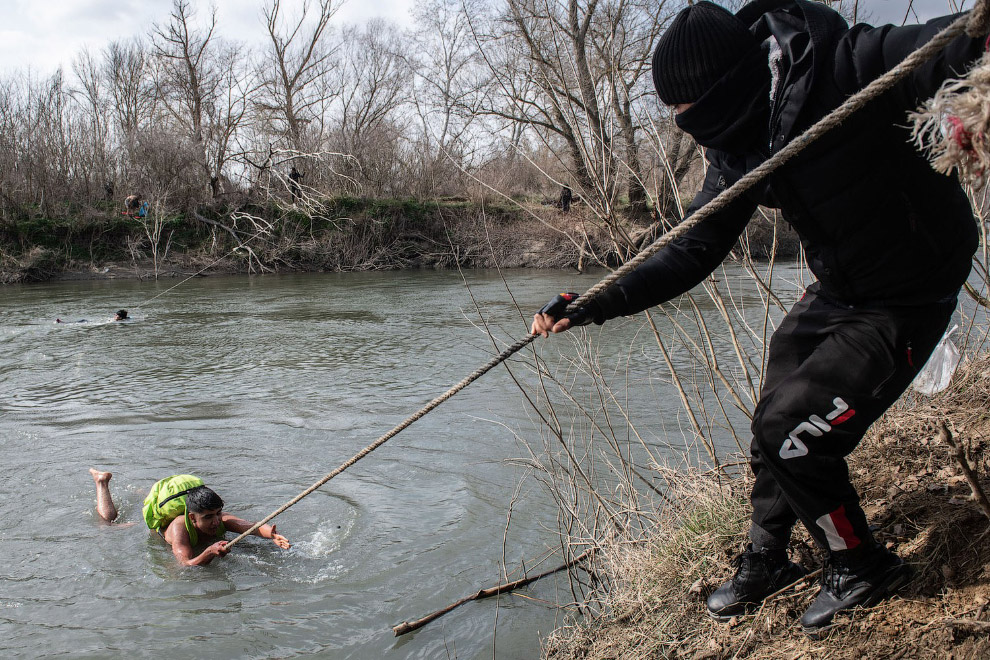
[832,371]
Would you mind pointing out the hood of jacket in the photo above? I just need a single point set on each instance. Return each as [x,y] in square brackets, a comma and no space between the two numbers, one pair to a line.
[801,36]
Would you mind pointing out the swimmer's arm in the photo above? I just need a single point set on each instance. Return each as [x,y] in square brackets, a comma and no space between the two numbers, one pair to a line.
[178,538]
[239,526]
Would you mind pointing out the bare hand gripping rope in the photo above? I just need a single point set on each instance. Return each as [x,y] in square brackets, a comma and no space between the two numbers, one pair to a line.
[978,26]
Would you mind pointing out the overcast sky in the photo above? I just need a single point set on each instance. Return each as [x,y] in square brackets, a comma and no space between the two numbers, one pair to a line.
[46,33]
[43,34]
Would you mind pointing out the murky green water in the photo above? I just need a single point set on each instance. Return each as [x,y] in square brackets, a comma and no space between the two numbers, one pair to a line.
[262,386]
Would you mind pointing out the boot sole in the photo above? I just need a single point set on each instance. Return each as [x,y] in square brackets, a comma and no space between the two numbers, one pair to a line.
[895,581]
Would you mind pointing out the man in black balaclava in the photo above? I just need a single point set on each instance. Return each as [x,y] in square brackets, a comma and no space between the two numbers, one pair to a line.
[889,240]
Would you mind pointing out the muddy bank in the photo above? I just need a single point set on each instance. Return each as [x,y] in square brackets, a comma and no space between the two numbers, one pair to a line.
[338,235]
[915,493]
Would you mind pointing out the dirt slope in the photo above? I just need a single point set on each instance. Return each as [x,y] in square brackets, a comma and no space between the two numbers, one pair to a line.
[913,490]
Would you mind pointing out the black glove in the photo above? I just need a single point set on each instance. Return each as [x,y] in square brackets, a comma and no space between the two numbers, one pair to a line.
[556,308]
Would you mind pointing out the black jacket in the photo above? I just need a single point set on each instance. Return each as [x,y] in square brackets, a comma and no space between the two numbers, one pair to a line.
[878,224]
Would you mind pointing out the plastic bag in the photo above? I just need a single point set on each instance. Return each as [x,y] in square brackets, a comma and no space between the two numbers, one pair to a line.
[937,372]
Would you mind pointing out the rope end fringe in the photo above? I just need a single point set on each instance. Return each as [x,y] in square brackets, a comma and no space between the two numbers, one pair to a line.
[952,126]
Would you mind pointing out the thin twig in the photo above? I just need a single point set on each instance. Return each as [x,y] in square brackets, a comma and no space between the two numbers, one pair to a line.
[974,484]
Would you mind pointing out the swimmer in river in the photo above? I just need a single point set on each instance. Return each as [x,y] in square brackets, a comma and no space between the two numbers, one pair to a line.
[188,515]
[119,315]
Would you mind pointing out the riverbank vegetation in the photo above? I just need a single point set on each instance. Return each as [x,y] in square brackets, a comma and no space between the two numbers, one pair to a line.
[294,152]
[344,234]
[339,234]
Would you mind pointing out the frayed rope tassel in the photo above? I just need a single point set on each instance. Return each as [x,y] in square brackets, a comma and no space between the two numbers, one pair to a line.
[952,127]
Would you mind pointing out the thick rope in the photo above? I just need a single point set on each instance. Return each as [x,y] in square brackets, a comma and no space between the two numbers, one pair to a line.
[473,376]
[979,20]
[840,114]
[953,127]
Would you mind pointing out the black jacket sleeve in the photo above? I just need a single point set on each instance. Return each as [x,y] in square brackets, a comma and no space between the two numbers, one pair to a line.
[686,261]
[865,53]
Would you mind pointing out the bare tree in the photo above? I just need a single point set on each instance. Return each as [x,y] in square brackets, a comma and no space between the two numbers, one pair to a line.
[97,169]
[188,76]
[374,77]
[447,79]
[624,34]
[295,71]
[126,67]
[509,90]
[548,85]
[571,73]
[228,115]
[44,155]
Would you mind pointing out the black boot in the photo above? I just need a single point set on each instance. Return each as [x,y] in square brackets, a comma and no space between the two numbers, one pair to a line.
[851,579]
[759,573]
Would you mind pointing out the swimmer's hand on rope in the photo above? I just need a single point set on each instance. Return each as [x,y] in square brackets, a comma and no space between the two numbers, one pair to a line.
[208,524]
[554,317]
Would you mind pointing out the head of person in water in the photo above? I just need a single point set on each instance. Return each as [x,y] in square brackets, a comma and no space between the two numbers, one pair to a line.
[121,315]
[204,507]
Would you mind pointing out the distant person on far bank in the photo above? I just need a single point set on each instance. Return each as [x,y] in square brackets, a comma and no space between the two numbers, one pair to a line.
[131,204]
[294,177]
[565,199]
[135,206]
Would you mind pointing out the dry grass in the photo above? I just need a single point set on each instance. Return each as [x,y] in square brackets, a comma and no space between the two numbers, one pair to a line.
[913,492]
[655,585]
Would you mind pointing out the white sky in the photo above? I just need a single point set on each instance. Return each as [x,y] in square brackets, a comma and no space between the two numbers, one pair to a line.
[43,34]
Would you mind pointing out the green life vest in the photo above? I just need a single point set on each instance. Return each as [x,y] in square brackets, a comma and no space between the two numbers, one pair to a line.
[167,501]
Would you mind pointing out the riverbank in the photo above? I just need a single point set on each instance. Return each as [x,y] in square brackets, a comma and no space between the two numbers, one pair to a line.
[913,490]
[342,234]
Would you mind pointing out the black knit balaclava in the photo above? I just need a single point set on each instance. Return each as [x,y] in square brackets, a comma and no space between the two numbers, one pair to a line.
[702,43]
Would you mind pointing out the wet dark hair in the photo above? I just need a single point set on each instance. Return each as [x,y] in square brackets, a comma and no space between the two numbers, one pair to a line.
[202,499]
[122,313]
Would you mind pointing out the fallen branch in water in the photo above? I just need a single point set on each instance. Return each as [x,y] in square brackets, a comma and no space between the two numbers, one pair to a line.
[974,485]
[409,626]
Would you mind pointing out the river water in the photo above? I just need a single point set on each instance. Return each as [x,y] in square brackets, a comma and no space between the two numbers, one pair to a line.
[261,385]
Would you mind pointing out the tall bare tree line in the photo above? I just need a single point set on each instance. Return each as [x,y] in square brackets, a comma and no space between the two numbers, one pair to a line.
[520,96]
